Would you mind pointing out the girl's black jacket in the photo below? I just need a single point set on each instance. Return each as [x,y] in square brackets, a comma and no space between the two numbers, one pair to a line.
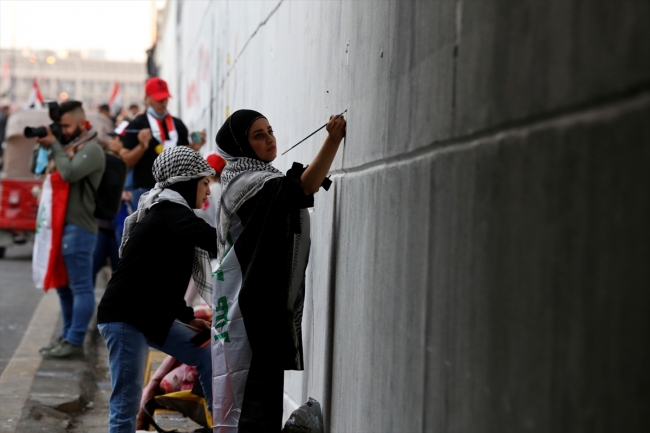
[147,290]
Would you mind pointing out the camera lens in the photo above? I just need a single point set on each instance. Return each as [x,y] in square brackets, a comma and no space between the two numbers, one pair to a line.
[35,131]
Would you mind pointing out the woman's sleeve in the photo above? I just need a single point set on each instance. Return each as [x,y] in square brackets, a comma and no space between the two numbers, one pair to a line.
[83,163]
[184,223]
[295,194]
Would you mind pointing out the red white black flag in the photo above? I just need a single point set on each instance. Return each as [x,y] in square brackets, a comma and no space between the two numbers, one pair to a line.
[115,101]
[35,96]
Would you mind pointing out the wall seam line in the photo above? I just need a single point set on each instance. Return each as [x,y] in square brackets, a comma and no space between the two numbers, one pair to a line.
[250,38]
[610,109]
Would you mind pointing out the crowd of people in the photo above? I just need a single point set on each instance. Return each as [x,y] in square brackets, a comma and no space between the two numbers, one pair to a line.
[106,180]
[167,220]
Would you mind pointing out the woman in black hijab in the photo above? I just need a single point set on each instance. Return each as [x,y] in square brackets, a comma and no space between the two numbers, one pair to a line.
[259,286]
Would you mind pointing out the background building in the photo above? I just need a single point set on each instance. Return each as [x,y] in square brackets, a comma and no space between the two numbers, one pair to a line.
[481,261]
[84,76]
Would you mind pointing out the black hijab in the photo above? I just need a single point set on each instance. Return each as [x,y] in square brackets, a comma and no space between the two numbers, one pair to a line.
[232,138]
[187,190]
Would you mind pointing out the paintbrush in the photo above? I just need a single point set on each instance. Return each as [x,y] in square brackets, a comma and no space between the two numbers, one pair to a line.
[310,134]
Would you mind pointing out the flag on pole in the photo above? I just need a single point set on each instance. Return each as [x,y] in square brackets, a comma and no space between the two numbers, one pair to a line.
[35,96]
[5,84]
[121,128]
[115,101]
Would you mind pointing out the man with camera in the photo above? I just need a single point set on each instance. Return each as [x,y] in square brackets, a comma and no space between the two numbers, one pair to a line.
[80,161]
[149,134]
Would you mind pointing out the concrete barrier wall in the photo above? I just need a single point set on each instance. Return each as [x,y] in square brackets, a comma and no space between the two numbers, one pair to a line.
[481,262]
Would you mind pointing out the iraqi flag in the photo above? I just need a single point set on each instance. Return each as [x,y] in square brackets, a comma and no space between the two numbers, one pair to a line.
[48,269]
[115,101]
[5,84]
[258,300]
[35,96]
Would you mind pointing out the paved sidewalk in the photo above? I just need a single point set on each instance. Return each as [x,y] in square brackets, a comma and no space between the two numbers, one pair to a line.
[18,376]
[95,418]
[55,396]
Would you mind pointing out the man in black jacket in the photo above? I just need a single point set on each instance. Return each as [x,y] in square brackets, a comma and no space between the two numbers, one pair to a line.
[149,134]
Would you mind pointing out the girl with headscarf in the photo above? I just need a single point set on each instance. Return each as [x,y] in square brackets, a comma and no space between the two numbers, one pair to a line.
[163,245]
[259,285]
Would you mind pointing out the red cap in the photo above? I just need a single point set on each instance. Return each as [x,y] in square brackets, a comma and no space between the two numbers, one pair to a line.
[216,162]
[157,88]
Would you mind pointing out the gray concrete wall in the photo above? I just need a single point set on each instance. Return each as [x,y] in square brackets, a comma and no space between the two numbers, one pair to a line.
[481,262]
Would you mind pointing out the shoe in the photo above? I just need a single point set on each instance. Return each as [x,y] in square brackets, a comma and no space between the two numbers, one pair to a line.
[52,345]
[64,350]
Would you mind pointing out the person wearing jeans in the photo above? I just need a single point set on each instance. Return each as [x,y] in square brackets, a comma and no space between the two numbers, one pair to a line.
[107,246]
[128,348]
[77,299]
[81,162]
[163,246]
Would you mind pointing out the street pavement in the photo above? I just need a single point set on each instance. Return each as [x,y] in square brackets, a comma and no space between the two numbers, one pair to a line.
[18,299]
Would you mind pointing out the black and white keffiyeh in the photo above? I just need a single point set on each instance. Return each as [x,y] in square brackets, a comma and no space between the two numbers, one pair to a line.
[239,165]
[178,164]
[241,179]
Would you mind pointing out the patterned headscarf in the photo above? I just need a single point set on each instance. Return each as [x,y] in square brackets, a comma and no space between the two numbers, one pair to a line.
[179,164]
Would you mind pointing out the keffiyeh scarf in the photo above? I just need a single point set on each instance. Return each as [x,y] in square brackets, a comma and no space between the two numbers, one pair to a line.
[178,164]
[241,179]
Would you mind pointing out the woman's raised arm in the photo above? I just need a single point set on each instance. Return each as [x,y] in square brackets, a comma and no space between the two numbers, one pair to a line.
[315,173]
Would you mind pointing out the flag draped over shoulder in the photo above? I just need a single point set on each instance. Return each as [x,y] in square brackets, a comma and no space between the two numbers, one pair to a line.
[48,269]
[258,297]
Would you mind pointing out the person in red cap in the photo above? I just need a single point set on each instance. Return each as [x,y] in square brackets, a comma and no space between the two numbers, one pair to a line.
[216,162]
[209,210]
[149,134]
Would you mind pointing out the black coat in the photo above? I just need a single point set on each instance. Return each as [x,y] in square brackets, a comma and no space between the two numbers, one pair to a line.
[147,290]
[264,251]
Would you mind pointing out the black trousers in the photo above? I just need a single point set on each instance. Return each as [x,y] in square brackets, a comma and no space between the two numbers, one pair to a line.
[263,396]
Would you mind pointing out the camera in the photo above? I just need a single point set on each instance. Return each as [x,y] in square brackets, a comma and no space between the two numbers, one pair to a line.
[55,126]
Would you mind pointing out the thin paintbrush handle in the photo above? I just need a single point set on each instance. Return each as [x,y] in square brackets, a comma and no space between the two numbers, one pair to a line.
[304,138]
[310,134]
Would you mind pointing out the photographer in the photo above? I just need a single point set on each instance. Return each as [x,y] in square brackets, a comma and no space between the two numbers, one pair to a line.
[81,163]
